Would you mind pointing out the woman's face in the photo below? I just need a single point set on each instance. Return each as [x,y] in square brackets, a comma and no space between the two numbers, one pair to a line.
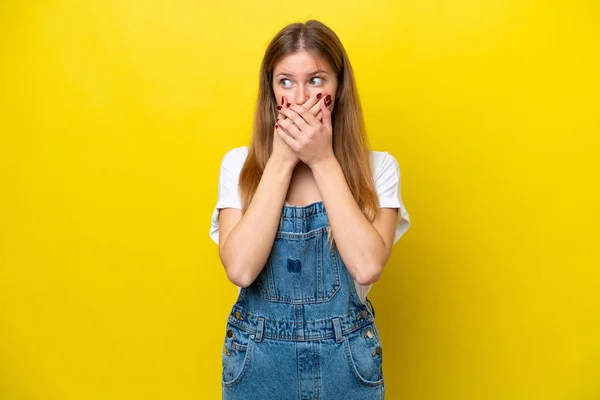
[299,76]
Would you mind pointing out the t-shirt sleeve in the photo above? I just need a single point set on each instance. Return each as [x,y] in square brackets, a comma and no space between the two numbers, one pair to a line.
[388,187]
[228,192]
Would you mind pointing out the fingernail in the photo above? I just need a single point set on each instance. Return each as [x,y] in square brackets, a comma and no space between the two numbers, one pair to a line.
[288,104]
[327,100]
[276,126]
[319,96]
[281,100]
[279,107]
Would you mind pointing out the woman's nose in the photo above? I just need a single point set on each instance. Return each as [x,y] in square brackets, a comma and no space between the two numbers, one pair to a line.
[301,95]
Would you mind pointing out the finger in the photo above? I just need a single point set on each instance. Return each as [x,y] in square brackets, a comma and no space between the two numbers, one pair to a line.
[307,117]
[292,112]
[280,116]
[311,101]
[319,115]
[287,139]
[326,116]
[317,107]
[289,127]
[279,128]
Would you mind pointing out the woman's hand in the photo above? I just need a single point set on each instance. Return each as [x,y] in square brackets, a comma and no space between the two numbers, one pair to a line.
[308,137]
[312,104]
[281,150]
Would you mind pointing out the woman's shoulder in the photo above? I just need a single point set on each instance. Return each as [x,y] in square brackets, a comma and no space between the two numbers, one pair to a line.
[235,157]
[237,153]
[383,162]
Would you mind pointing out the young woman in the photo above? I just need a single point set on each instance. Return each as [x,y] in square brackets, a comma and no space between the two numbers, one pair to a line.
[305,221]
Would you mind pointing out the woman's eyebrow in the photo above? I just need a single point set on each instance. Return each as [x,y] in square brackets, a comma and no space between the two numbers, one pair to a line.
[311,73]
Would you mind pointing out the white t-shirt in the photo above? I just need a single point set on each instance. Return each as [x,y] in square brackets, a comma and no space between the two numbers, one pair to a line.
[387,185]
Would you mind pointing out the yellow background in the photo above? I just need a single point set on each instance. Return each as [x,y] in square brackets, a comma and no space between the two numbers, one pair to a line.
[114,118]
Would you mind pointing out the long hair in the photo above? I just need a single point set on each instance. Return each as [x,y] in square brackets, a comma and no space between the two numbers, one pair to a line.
[349,141]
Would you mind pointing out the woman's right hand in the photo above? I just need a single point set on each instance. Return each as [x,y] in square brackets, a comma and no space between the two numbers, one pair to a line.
[281,150]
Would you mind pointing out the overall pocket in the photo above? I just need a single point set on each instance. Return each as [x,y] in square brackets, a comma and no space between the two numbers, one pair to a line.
[364,353]
[237,350]
[301,269]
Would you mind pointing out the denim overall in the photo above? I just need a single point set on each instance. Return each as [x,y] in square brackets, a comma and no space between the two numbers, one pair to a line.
[300,330]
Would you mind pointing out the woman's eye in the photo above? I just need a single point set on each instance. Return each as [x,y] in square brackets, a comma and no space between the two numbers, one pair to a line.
[316,80]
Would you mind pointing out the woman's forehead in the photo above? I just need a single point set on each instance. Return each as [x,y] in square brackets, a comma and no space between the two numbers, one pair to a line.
[300,63]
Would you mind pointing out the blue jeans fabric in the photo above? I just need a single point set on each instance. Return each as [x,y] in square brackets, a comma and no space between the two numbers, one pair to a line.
[300,330]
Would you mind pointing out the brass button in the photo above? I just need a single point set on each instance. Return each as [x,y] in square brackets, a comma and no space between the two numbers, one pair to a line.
[363,314]
[377,351]
[369,334]
[230,333]
[237,315]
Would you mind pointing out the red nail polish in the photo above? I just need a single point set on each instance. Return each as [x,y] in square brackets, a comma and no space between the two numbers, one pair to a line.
[319,96]
[276,126]
[288,104]
[281,100]
[327,100]
[279,107]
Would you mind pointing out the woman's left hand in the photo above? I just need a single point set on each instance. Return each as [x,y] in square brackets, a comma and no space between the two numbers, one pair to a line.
[309,138]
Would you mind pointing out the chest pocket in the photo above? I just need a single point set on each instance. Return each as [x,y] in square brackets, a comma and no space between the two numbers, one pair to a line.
[301,269]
